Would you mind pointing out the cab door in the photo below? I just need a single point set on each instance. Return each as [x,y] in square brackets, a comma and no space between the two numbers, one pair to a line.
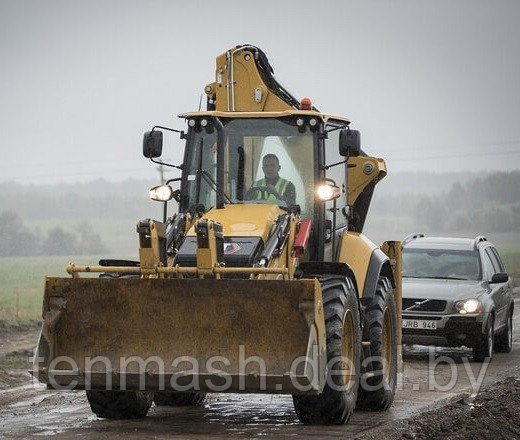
[334,228]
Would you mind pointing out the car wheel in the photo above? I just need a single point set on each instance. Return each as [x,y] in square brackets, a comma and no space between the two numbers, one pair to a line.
[485,348]
[504,341]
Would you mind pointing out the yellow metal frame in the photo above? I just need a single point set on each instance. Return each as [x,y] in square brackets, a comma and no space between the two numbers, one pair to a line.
[149,245]
[177,270]
[366,169]
[238,85]
[394,251]
[356,250]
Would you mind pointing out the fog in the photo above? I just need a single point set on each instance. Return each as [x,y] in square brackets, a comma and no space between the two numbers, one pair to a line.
[433,86]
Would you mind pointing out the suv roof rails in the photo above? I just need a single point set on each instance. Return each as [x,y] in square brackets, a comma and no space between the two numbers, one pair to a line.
[479,239]
[411,237]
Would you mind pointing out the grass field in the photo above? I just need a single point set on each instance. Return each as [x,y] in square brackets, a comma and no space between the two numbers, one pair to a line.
[22,280]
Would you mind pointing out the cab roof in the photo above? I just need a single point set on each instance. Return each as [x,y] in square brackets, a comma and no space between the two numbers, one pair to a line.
[279,114]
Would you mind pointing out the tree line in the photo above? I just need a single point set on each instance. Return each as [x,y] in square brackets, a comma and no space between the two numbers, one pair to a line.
[96,199]
[424,202]
[490,203]
[16,239]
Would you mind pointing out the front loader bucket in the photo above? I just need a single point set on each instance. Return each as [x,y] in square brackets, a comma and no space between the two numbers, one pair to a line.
[212,335]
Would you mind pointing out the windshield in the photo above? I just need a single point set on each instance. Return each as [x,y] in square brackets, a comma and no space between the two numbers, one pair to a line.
[265,161]
[441,263]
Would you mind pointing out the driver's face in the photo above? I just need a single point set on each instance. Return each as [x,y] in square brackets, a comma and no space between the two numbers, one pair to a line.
[270,168]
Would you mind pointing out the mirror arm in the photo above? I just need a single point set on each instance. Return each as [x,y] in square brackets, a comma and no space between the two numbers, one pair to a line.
[337,127]
[183,135]
[350,165]
[179,167]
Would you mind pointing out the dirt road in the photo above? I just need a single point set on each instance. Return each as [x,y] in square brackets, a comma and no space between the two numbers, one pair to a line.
[429,380]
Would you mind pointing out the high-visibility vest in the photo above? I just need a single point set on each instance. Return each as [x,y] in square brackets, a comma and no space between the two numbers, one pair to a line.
[280,186]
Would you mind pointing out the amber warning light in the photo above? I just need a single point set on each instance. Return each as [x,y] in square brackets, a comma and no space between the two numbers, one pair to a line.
[306,104]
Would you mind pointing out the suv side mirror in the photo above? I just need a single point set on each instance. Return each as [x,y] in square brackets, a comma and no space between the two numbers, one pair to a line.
[349,142]
[152,144]
[500,277]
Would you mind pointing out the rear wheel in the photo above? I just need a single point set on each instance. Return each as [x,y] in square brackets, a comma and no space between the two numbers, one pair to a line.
[167,398]
[338,399]
[485,348]
[120,404]
[504,340]
[378,384]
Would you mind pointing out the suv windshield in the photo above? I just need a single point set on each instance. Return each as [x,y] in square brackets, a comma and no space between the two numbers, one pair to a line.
[441,263]
[266,160]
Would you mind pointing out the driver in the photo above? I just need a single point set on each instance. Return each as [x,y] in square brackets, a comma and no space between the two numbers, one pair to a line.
[272,186]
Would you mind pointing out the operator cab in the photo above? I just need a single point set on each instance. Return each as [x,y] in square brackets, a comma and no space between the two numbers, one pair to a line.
[262,159]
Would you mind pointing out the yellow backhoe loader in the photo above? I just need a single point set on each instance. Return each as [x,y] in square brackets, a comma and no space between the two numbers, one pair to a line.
[262,282]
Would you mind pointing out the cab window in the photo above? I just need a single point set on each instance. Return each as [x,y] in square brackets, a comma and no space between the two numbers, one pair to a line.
[265,160]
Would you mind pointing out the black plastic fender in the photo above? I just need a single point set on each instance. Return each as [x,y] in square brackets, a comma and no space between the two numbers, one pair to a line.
[378,266]
[309,268]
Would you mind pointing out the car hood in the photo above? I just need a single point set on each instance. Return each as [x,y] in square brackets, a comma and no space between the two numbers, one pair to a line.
[448,290]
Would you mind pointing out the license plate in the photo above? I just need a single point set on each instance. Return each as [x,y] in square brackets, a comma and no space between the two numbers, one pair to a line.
[419,324]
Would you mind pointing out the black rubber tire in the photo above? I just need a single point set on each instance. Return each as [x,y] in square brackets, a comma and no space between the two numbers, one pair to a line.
[120,404]
[376,393]
[168,398]
[504,340]
[484,349]
[334,406]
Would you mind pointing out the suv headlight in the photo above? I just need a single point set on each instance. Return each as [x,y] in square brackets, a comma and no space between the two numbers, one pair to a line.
[468,306]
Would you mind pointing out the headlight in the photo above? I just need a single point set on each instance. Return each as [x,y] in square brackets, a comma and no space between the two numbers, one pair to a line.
[161,193]
[328,191]
[468,306]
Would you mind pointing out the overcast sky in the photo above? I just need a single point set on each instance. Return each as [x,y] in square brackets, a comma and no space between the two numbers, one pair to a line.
[432,85]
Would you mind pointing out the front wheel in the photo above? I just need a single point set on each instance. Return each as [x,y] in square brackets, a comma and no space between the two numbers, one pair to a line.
[167,398]
[504,340]
[484,349]
[120,404]
[336,403]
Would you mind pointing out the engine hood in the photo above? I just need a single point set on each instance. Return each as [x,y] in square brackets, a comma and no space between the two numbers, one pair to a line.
[447,290]
[244,220]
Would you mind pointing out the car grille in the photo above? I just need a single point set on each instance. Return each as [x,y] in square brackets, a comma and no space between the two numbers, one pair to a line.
[423,305]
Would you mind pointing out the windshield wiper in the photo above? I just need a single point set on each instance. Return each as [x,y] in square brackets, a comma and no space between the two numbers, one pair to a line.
[207,177]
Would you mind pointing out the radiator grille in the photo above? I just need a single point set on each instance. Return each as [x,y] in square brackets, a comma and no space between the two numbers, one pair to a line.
[423,305]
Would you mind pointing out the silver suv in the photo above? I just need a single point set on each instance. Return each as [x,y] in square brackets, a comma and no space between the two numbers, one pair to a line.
[456,292]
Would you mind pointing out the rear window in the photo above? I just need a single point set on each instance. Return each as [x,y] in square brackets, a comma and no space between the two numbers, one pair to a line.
[441,264]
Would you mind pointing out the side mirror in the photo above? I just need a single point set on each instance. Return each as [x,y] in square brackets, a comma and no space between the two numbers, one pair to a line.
[500,277]
[152,144]
[349,142]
